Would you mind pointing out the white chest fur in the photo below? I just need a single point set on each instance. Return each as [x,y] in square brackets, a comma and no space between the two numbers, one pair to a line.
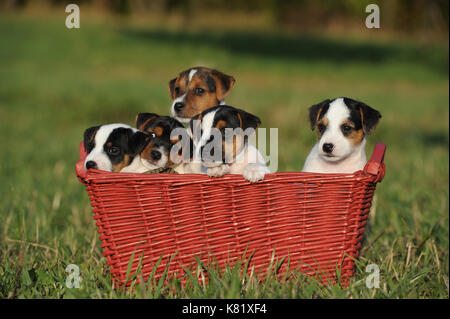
[317,164]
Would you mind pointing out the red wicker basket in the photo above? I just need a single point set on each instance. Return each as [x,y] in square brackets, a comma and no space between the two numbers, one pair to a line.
[316,221]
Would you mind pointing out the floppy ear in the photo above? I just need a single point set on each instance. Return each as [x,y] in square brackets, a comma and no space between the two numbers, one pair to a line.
[248,120]
[369,117]
[174,123]
[137,142]
[142,119]
[172,88]
[224,83]
[315,111]
[89,137]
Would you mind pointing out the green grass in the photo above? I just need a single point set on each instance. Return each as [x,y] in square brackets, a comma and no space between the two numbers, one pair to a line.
[55,82]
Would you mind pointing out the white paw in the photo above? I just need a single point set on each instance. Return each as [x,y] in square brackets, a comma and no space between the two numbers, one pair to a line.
[254,172]
[218,171]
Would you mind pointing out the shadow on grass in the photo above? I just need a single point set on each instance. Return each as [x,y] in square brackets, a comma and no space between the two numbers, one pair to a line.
[435,139]
[303,47]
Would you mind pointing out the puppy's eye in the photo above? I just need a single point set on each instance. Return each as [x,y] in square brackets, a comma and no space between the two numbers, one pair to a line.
[199,91]
[321,127]
[113,151]
[346,129]
[152,135]
[177,90]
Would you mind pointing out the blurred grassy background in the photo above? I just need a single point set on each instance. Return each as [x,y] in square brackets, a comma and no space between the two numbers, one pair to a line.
[56,82]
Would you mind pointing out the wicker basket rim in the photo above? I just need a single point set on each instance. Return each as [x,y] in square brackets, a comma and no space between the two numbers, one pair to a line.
[374,169]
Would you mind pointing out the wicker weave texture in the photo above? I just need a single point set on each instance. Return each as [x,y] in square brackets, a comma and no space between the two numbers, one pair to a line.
[313,222]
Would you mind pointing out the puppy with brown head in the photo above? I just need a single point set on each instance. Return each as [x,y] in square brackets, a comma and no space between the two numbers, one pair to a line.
[220,136]
[342,125]
[198,89]
[164,150]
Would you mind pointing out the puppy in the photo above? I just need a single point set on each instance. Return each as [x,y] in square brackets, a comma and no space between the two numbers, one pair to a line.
[158,152]
[220,136]
[112,147]
[342,125]
[196,90]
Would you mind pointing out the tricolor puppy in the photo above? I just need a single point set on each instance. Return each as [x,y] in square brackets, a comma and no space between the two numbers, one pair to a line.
[112,147]
[341,125]
[198,89]
[220,136]
[166,136]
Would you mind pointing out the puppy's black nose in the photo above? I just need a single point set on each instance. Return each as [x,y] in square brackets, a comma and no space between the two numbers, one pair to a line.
[91,164]
[327,147]
[155,155]
[178,106]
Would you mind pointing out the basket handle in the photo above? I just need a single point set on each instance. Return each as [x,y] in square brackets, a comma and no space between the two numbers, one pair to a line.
[79,166]
[375,166]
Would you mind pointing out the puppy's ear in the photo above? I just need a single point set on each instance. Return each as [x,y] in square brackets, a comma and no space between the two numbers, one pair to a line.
[224,83]
[174,123]
[315,111]
[369,116]
[142,119]
[172,88]
[89,135]
[248,120]
[137,142]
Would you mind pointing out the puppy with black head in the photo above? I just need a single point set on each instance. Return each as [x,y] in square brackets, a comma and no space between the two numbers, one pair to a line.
[165,149]
[198,89]
[113,147]
[220,136]
[342,125]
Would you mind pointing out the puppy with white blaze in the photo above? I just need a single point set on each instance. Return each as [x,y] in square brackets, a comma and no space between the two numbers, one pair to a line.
[341,125]
[220,137]
[196,90]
